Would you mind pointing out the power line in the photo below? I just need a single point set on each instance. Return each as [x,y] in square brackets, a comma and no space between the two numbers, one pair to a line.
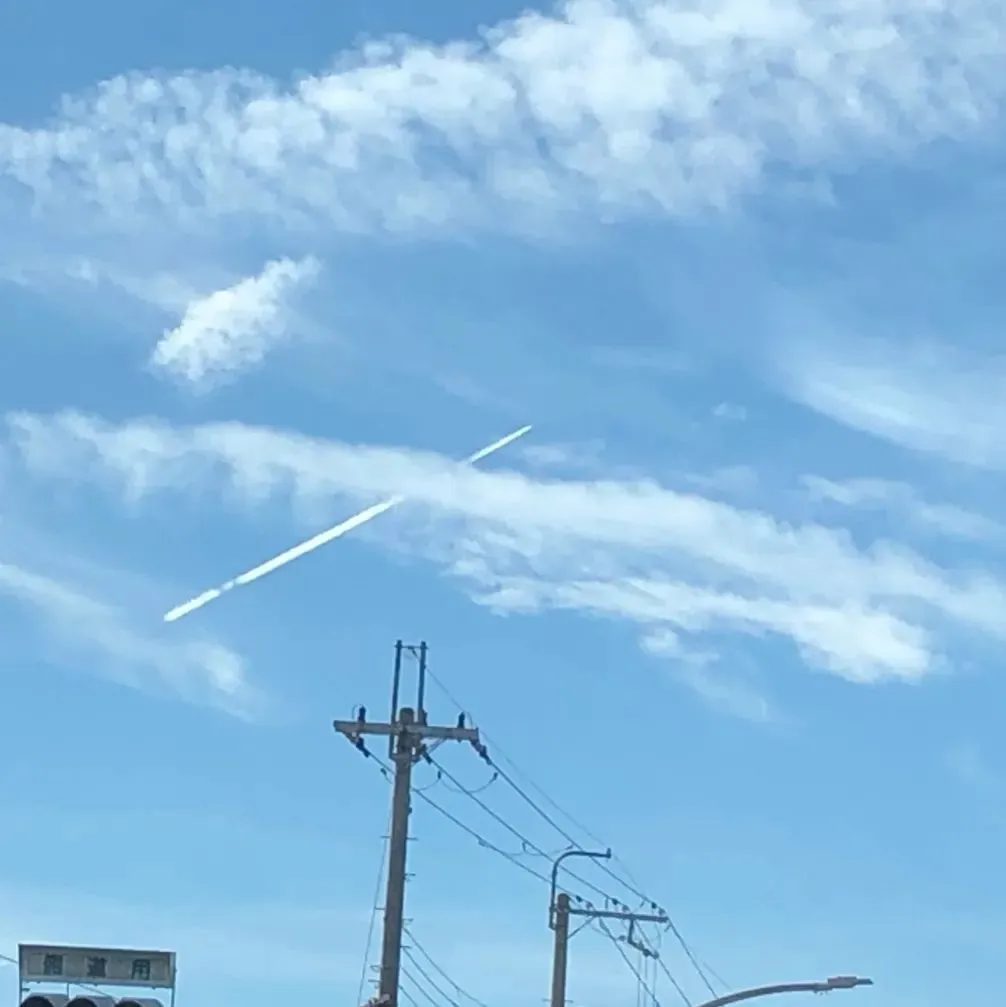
[519,772]
[477,836]
[419,968]
[460,989]
[692,958]
[572,840]
[723,983]
[516,832]
[406,995]
[375,909]
[606,930]
[419,986]
[630,885]
[690,955]
[407,738]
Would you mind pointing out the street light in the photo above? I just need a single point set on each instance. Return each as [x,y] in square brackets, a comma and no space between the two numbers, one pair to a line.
[821,986]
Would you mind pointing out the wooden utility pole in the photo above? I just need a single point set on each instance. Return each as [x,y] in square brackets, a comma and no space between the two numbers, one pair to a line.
[407,732]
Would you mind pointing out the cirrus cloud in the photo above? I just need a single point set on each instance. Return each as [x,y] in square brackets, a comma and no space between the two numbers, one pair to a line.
[662,560]
[602,105]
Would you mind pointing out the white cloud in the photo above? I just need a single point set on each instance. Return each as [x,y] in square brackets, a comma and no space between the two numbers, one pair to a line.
[933,400]
[82,630]
[602,104]
[635,551]
[233,329]
[703,672]
[903,500]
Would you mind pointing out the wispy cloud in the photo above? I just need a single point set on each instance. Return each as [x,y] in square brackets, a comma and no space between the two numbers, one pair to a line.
[702,672]
[635,551]
[233,329]
[74,622]
[904,500]
[601,105]
[934,400]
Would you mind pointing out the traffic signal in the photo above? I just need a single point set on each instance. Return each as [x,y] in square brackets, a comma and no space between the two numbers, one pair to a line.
[87,1000]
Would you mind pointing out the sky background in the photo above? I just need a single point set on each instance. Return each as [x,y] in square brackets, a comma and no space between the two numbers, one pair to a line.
[736,603]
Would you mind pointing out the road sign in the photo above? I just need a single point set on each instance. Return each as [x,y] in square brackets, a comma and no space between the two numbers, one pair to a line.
[59,963]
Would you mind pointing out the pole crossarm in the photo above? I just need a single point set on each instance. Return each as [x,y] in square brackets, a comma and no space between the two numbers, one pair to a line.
[354,729]
[618,914]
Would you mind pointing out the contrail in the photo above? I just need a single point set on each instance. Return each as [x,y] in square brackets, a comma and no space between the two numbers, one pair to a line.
[309,545]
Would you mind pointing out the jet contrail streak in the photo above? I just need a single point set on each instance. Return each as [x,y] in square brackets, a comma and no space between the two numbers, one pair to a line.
[315,541]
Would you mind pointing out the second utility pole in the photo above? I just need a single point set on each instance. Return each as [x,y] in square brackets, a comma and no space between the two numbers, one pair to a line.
[407,732]
[560,911]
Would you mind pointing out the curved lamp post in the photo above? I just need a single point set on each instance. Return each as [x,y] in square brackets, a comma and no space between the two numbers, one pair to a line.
[825,986]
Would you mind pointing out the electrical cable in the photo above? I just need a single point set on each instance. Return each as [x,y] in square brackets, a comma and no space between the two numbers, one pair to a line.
[662,965]
[690,955]
[517,833]
[693,959]
[419,986]
[375,909]
[419,947]
[632,968]
[478,837]
[482,841]
[437,968]
[387,771]
[474,790]
[496,817]
[405,994]
[723,983]
[602,865]
[432,982]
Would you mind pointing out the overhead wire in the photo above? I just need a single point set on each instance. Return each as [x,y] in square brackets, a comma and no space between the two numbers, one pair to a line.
[427,995]
[375,909]
[406,995]
[603,866]
[475,834]
[460,990]
[659,963]
[623,954]
[406,951]
[448,695]
[528,844]
[631,885]
[432,982]
[723,983]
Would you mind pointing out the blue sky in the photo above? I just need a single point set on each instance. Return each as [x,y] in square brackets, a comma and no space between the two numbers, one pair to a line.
[736,602]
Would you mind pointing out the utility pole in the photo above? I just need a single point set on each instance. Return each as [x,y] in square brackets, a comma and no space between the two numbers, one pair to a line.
[407,732]
[561,910]
[560,949]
